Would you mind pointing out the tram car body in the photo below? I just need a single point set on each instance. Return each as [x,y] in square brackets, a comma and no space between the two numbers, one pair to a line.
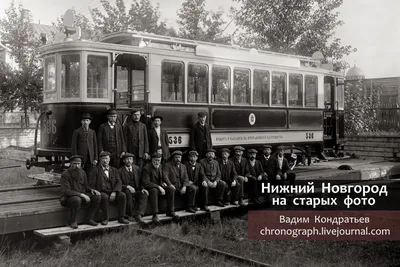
[251,97]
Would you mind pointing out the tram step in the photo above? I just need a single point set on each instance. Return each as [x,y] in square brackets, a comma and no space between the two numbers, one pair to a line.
[66,230]
[46,177]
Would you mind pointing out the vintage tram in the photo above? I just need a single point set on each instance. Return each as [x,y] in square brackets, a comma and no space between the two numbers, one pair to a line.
[252,97]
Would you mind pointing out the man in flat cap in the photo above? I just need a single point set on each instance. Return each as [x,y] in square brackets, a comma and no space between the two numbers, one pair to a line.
[278,167]
[154,182]
[213,177]
[197,178]
[176,175]
[84,143]
[106,180]
[256,176]
[137,141]
[158,138]
[110,138]
[132,186]
[200,138]
[76,192]
[264,159]
[242,169]
[230,177]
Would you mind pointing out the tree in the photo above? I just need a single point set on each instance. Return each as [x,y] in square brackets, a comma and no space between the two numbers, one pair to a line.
[21,87]
[196,23]
[292,26]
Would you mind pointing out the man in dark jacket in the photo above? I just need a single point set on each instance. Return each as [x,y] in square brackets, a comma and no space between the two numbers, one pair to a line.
[278,167]
[200,138]
[256,176]
[176,176]
[84,143]
[106,180]
[264,160]
[230,177]
[197,178]
[137,141]
[242,169]
[110,138]
[75,192]
[154,182]
[213,177]
[133,188]
[158,138]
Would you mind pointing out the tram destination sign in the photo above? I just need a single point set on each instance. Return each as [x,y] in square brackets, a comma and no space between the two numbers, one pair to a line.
[248,138]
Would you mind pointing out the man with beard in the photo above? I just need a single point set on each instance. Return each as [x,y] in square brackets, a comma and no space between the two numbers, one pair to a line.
[278,167]
[213,177]
[106,180]
[132,186]
[256,176]
[242,169]
[197,178]
[110,138]
[84,143]
[230,177]
[264,160]
[154,182]
[176,176]
[200,138]
[137,141]
[75,192]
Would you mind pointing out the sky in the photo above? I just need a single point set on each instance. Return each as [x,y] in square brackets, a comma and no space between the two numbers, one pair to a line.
[370,26]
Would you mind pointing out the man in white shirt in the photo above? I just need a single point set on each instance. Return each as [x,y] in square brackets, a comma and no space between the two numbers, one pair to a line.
[158,138]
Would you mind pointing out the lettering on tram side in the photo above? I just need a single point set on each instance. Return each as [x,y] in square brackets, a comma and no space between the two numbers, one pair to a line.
[50,126]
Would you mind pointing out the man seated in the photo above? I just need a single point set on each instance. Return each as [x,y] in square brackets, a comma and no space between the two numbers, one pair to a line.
[197,178]
[256,176]
[154,183]
[75,192]
[133,188]
[213,177]
[176,176]
[278,167]
[229,176]
[106,180]
[242,170]
[291,176]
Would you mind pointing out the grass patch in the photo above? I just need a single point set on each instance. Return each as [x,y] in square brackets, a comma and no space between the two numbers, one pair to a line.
[16,176]
[114,249]
[231,236]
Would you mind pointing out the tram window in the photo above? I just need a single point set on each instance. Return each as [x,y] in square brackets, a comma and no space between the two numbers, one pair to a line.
[97,76]
[172,81]
[295,90]
[197,83]
[340,94]
[220,84]
[50,92]
[70,76]
[241,86]
[138,81]
[311,85]
[327,93]
[261,87]
[278,88]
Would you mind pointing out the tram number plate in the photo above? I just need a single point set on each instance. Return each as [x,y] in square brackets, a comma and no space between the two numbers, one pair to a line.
[309,135]
[50,126]
[176,139]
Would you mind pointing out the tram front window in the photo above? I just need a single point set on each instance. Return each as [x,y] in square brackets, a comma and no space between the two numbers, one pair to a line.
[50,92]
[70,76]
[97,76]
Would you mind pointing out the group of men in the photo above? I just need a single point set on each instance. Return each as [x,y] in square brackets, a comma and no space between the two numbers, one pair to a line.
[114,170]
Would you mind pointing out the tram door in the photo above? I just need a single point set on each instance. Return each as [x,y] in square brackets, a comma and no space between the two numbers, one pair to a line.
[330,113]
[130,72]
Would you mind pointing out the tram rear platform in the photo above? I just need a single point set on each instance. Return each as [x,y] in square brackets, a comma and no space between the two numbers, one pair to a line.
[30,207]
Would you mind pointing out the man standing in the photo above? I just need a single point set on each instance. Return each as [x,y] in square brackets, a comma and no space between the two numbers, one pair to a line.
[154,182]
[84,143]
[137,140]
[242,169]
[110,138]
[75,192]
[197,178]
[213,177]
[176,176]
[256,175]
[158,138]
[230,177]
[133,188]
[106,180]
[200,138]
